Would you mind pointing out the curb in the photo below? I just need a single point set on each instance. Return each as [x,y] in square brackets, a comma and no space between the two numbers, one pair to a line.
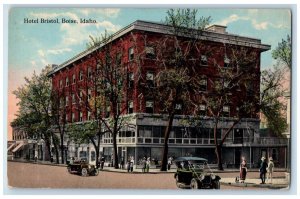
[270,186]
[41,163]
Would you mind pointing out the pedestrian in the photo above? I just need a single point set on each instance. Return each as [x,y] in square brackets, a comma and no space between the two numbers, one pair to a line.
[122,163]
[263,170]
[128,165]
[169,162]
[102,162]
[270,169]
[148,164]
[72,160]
[144,165]
[131,163]
[243,170]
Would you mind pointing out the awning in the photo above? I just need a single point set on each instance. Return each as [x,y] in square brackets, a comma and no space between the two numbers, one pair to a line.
[18,147]
[11,146]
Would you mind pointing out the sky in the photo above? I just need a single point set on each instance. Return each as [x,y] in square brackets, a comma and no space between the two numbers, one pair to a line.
[31,46]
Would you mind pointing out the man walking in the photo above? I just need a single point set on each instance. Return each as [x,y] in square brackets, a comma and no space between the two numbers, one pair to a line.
[263,170]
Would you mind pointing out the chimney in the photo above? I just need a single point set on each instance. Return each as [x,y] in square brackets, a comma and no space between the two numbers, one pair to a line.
[217,29]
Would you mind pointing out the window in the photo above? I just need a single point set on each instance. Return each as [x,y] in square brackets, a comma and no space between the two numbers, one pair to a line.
[226,62]
[73,98]
[203,84]
[60,83]
[150,52]
[89,94]
[149,106]
[178,108]
[80,116]
[226,111]
[67,81]
[61,102]
[90,72]
[203,60]
[74,79]
[202,108]
[131,54]
[89,115]
[130,107]
[67,100]
[130,80]
[73,117]
[80,96]
[67,117]
[150,79]
[119,59]
[107,111]
[80,75]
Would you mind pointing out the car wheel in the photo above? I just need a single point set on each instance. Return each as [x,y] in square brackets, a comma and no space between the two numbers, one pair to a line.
[194,184]
[216,185]
[69,169]
[84,172]
[96,172]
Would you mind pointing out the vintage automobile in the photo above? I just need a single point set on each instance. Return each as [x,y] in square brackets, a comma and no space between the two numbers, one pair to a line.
[82,168]
[195,173]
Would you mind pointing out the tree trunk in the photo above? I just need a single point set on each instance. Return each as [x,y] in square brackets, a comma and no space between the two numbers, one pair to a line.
[48,145]
[56,153]
[219,157]
[62,148]
[116,162]
[164,161]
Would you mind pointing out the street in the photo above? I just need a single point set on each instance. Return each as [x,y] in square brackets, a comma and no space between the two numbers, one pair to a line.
[28,175]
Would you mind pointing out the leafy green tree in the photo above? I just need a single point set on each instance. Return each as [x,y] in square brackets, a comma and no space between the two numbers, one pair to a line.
[34,114]
[283,52]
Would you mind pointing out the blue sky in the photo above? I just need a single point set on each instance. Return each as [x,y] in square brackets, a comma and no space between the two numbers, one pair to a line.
[32,46]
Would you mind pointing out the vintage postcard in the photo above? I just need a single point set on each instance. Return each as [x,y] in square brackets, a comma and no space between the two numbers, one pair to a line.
[149,98]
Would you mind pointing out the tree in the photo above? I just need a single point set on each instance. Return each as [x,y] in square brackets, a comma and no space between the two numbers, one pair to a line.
[174,81]
[270,100]
[34,115]
[283,52]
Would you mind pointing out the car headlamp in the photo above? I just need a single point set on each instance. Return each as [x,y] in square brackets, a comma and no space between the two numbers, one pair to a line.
[202,177]
[213,176]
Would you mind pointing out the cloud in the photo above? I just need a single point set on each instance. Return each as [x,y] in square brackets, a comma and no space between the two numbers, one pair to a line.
[58,51]
[41,53]
[230,19]
[260,26]
[110,27]
[107,12]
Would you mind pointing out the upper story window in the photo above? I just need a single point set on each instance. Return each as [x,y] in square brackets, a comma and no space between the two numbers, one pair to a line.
[150,52]
[107,114]
[89,115]
[73,78]
[149,106]
[80,116]
[80,75]
[73,98]
[73,117]
[130,107]
[67,100]
[203,84]
[90,72]
[226,111]
[60,83]
[119,59]
[150,79]
[67,81]
[203,60]
[226,62]
[80,96]
[131,54]
[130,80]
[89,94]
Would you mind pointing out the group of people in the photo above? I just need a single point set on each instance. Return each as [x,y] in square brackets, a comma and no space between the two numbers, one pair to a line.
[146,164]
[130,164]
[263,170]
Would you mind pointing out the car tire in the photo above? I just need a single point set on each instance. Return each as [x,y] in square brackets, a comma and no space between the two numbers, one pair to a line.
[194,184]
[69,170]
[84,172]
[217,185]
[96,172]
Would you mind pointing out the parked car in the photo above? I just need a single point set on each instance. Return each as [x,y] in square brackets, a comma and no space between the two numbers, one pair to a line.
[82,168]
[194,173]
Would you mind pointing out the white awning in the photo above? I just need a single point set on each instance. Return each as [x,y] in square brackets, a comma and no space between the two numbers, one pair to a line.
[11,146]
[18,147]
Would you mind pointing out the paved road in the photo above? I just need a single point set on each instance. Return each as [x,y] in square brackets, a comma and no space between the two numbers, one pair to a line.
[24,175]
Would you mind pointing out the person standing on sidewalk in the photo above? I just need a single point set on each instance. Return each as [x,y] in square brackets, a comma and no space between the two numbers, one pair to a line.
[243,170]
[144,165]
[263,170]
[148,164]
[270,169]
[131,163]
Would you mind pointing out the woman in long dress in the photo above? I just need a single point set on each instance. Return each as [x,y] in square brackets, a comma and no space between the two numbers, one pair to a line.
[243,170]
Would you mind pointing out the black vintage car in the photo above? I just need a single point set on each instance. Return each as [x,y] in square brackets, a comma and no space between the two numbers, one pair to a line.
[82,168]
[194,173]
